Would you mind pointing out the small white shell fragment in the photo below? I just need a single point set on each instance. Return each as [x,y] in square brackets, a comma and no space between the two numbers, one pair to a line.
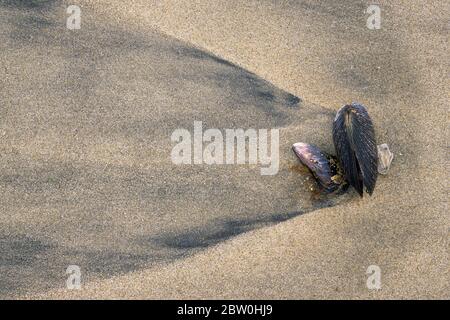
[385,157]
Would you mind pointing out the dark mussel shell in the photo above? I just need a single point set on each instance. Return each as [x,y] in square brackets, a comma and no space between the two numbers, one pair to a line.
[323,166]
[356,147]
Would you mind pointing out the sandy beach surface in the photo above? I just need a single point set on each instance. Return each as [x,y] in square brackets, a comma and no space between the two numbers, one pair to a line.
[86,177]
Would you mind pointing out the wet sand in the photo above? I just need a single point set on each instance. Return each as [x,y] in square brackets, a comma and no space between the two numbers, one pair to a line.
[87,179]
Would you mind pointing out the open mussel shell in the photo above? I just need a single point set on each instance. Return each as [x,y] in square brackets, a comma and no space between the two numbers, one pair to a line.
[323,166]
[356,148]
